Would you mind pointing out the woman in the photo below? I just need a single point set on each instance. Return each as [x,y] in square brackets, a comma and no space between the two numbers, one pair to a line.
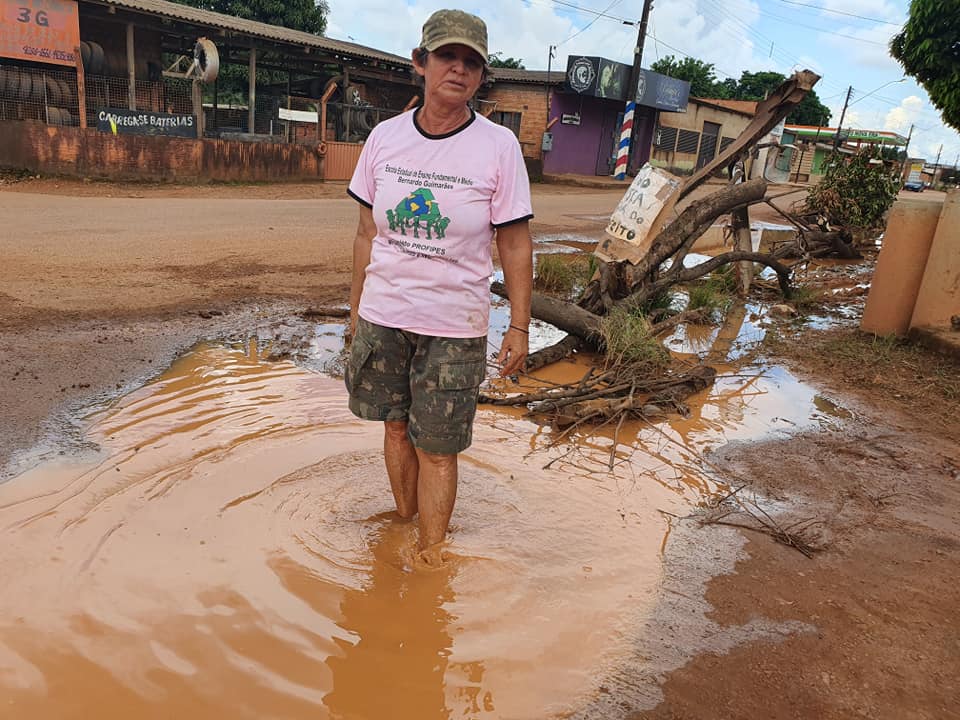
[436,186]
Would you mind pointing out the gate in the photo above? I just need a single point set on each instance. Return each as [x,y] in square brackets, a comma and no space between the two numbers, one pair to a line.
[341,160]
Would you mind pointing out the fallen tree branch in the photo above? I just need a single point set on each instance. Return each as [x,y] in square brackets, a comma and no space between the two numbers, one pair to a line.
[563,315]
[557,351]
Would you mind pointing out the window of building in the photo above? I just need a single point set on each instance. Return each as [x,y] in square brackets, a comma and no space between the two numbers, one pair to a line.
[688,142]
[665,138]
[507,119]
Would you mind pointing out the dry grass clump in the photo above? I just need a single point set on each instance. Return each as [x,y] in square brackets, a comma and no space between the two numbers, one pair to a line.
[628,343]
[563,274]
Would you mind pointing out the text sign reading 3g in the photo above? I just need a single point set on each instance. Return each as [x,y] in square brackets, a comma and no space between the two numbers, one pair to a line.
[40,30]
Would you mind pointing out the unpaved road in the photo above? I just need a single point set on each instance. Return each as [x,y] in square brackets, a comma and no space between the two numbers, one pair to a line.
[98,293]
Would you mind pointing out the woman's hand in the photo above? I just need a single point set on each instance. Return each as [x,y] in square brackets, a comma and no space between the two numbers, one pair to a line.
[513,352]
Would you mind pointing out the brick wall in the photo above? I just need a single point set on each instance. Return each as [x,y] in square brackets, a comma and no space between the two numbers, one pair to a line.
[531,102]
[41,148]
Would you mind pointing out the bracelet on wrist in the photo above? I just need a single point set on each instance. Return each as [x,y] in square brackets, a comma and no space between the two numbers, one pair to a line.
[517,327]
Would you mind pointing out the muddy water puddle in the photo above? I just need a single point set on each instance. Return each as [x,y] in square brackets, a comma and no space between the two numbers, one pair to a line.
[229,551]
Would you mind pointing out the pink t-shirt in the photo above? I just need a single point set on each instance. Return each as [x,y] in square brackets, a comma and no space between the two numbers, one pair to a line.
[436,201]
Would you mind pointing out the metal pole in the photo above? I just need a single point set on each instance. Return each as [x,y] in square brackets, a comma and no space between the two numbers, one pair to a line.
[626,129]
[843,114]
[549,68]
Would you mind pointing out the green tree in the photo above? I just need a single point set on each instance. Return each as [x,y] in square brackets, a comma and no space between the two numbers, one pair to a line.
[501,62]
[701,75]
[306,15]
[928,48]
[756,86]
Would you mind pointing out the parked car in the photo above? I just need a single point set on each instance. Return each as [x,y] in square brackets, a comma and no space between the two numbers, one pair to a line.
[913,185]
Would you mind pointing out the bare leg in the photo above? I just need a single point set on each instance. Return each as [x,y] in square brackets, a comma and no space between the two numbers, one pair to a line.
[437,494]
[402,467]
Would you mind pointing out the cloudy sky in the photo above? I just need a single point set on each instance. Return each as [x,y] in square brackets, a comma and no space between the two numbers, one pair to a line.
[845,41]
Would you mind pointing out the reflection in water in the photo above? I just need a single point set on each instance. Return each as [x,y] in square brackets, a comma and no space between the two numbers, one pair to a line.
[395,660]
[229,553]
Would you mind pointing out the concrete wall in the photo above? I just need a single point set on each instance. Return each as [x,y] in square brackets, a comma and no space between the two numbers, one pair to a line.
[731,125]
[40,148]
[939,297]
[916,284]
[899,272]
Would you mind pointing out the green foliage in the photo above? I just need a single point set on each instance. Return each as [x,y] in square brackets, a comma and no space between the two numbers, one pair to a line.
[806,299]
[701,75]
[714,294]
[751,86]
[497,61]
[928,48]
[306,15]
[854,192]
[563,274]
[627,342]
[756,86]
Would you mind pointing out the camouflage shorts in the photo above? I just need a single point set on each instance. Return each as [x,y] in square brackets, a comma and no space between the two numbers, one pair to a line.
[430,382]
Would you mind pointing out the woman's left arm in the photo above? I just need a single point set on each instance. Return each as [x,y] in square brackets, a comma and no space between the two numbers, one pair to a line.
[516,257]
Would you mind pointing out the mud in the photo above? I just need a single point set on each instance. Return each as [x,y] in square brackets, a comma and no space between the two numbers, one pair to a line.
[611,600]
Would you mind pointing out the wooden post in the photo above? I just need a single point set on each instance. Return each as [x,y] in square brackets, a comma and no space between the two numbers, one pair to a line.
[131,70]
[81,89]
[346,105]
[742,239]
[252,93]
[197,95]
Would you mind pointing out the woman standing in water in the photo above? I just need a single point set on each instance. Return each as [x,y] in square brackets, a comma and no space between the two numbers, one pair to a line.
[436,186]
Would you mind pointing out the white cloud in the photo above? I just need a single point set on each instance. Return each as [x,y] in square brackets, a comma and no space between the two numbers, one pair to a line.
[904,115]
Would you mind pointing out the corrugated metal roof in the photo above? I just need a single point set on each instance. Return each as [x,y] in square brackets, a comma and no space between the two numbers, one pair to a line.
[207,18]
[527,76]
[747,108]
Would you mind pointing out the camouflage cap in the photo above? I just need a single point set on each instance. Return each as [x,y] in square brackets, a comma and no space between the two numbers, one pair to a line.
[448,27]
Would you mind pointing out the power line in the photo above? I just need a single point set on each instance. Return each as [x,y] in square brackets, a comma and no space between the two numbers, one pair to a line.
[591,11]
[584,28]
[841,12]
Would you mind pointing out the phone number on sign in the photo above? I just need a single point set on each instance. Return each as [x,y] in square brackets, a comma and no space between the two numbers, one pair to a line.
[50,54]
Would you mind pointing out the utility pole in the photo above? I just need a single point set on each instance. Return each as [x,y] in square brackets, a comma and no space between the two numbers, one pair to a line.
[906,153]
[843,114]
[936,165]
[626,129]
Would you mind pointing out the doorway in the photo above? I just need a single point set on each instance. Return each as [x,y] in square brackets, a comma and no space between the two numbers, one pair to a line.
[609,140]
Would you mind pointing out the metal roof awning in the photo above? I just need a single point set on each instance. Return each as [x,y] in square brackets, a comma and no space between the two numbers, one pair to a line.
[251,28]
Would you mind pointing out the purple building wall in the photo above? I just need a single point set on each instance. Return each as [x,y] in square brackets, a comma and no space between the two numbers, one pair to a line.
[585,149]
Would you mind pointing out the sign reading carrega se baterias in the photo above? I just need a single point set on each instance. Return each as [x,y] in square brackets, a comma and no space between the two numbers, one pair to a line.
[45,31]
[134,122]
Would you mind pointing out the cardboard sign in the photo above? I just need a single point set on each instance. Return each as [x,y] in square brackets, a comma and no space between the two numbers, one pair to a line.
[642,213]
[45,31]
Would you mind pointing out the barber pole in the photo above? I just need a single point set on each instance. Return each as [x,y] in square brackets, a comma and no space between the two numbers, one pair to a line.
[623,150]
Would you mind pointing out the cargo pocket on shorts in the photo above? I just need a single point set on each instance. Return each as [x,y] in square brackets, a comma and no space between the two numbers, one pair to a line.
[462,375]
[360,352]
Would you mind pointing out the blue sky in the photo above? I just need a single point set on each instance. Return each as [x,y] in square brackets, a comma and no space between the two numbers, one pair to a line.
[843,40]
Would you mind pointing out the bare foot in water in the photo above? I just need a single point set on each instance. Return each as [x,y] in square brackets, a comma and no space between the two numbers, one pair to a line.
[433,556]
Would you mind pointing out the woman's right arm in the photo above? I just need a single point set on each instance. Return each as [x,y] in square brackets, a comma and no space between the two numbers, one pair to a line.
[362,243]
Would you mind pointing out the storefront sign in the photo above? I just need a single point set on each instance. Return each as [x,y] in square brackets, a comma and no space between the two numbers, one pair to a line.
[132,122]
[662,92]
[572,119]
[608,79]
[45,31]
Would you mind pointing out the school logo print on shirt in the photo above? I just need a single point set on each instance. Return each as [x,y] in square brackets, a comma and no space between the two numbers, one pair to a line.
[419,211]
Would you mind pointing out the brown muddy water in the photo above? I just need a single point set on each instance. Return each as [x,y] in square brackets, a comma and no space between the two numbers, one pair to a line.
[229,551]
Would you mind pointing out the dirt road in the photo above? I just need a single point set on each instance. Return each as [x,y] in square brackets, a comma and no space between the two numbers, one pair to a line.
[98,294]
